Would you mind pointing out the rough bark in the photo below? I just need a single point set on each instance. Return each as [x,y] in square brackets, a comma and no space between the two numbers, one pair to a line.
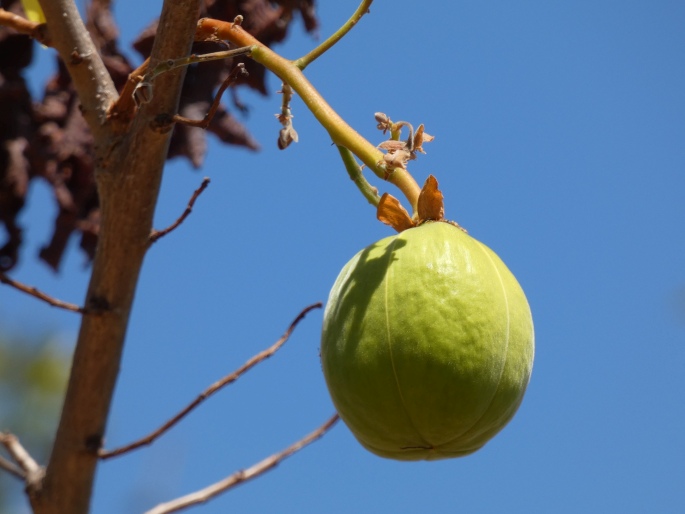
[129,170]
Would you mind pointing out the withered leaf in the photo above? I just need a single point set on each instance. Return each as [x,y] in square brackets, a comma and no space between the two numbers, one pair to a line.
[430,205]
[49,139]
[391,212]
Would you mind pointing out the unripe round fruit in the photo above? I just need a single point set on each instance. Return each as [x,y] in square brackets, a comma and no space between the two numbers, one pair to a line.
[427,344]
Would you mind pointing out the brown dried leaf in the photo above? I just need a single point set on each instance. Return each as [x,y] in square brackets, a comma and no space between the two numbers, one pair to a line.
[57,144]
[391,212]
[231,131]
[430,205]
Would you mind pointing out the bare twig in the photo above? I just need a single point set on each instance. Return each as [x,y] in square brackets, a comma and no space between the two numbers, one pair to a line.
[241,476]
[228,379]
[230,80]
[172,64]
[23,26]
[29,469]
[156,234]
[11,468]
[4,279]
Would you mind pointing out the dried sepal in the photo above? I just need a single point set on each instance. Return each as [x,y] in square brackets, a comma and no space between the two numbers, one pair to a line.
[392,146]
[391,212]
[397,155]
[420,137]
[430,204]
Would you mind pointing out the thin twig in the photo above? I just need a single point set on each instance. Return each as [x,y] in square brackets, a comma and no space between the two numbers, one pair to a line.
[241,476]
[31,28]
[4,279]
[31,471]
[12,468]
[228,379]
[230,80]
[172,64]
[156,234]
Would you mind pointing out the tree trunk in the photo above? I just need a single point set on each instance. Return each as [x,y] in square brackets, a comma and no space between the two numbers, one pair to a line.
[129,172]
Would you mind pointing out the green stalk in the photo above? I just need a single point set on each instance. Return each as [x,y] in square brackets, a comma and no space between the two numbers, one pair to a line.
[306,60]
[340,132]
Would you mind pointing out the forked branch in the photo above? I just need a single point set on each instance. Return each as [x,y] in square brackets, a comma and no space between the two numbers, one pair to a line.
[340,132]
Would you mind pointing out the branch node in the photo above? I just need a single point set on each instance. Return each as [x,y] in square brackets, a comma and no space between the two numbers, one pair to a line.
[93,443]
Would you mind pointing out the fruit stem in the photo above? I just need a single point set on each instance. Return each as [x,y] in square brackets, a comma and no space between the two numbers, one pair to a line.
[355,173]
[341,133]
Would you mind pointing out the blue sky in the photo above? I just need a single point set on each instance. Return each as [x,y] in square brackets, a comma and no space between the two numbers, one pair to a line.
[560,143]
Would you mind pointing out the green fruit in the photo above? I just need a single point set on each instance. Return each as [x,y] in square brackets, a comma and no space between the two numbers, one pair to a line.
[427,344]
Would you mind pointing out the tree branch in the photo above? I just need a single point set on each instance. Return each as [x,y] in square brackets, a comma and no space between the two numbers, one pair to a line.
[241,476]
[4,279]
[93,83]
[157,234]
[216,103]
[228,379]
[24,26]
[128,173]
[11,468]
[29,469]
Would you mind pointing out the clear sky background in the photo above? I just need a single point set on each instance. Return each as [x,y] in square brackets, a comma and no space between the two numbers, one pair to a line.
[560,143]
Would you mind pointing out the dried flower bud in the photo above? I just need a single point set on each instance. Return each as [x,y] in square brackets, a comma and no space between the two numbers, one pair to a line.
[384,123]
